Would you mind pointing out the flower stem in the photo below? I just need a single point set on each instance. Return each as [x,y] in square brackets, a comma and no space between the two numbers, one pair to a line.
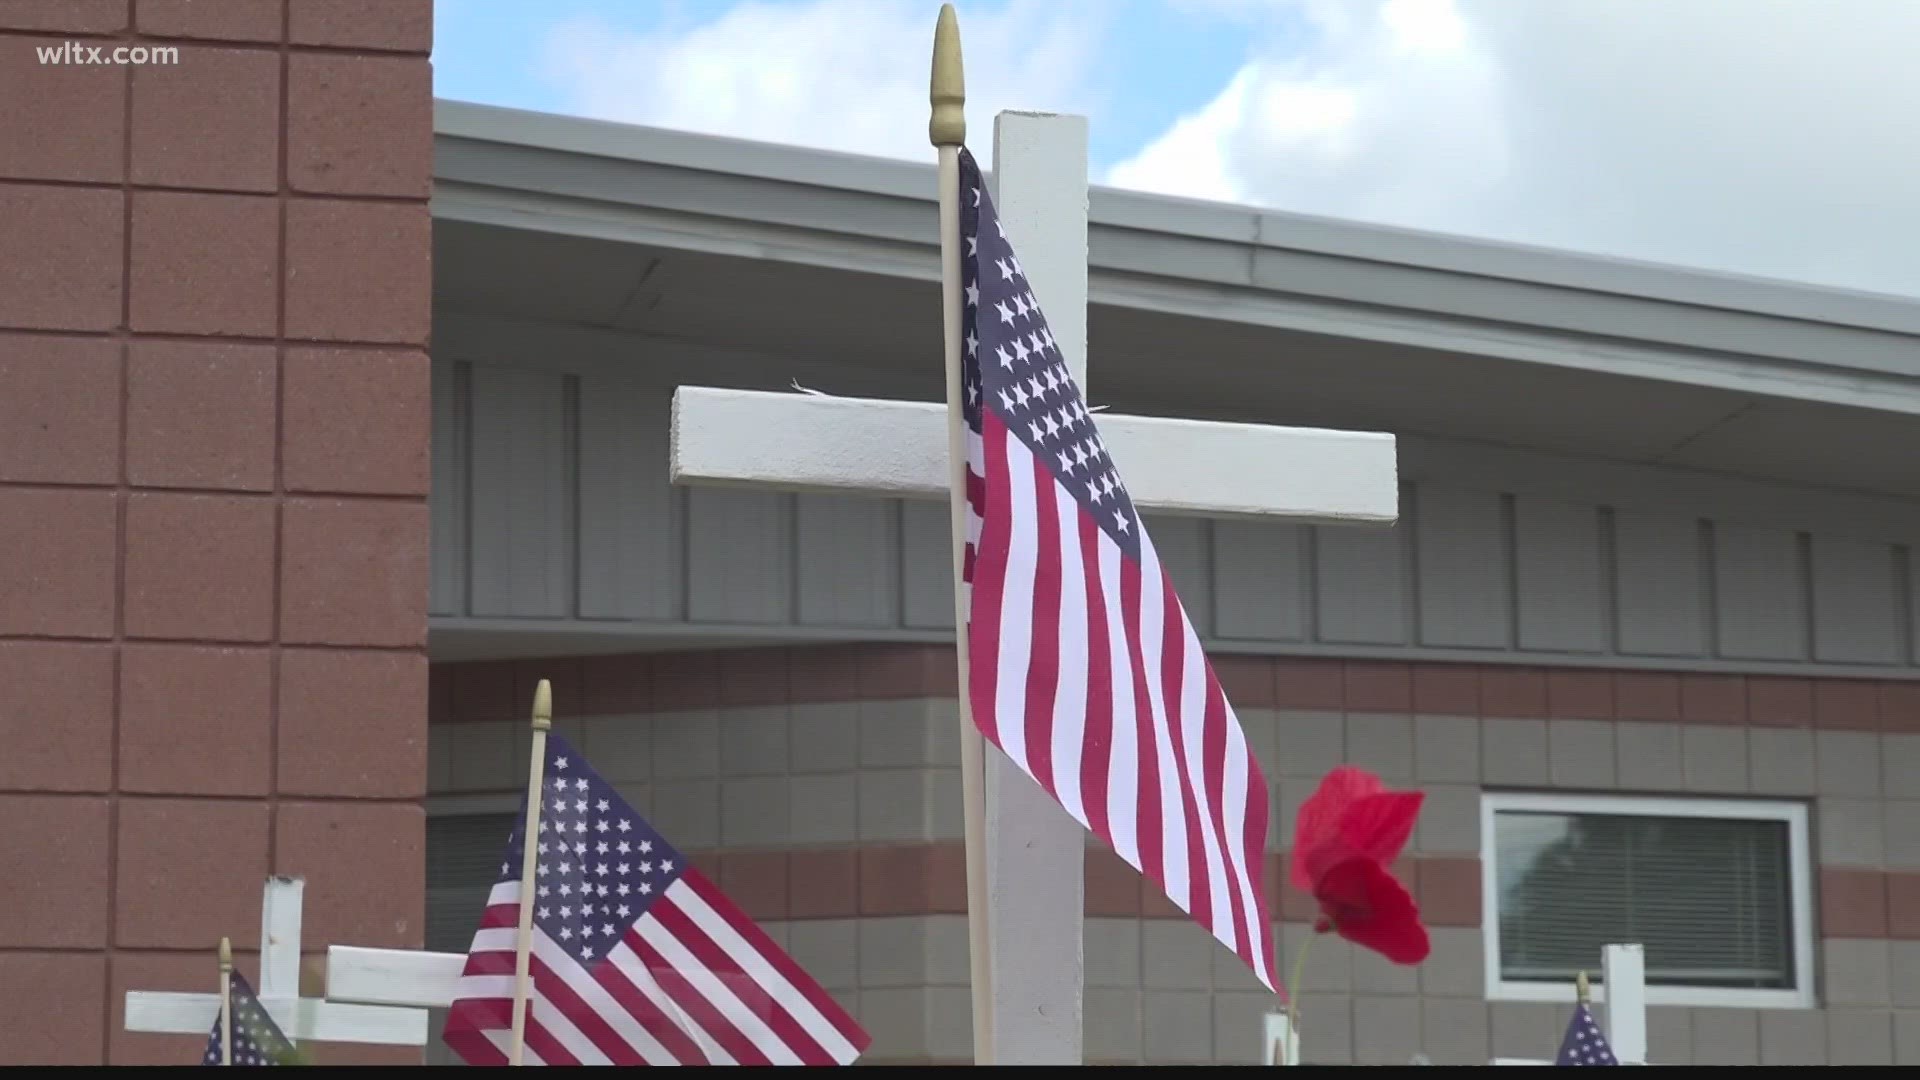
[1294,991]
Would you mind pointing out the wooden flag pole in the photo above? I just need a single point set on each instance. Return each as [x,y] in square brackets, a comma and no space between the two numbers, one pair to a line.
[947,129]
[523,943]
[226,1002]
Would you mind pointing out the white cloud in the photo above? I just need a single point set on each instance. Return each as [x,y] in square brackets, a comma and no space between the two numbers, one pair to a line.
[840,74]
[1762,136]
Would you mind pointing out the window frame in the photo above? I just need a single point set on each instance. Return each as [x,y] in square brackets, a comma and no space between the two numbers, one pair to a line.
[1800,876]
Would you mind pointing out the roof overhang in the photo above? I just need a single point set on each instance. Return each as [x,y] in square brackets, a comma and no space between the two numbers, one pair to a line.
[582,227]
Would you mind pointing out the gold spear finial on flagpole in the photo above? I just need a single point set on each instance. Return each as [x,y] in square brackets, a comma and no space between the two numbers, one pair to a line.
[543,706]
[949,85]
[1581,991]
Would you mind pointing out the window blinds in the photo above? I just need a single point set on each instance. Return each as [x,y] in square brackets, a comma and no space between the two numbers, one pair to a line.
[1709,898]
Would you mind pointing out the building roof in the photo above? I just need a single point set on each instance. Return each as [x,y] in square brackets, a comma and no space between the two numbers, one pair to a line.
[1731,358]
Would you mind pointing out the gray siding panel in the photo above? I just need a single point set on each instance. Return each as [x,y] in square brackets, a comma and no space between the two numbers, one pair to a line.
[1259,581]
[1759,593]
[551,501]
[1360,585]
[1560,583]
[1660,587]
[1183,546]
[851,550]
[522,542]
[447,594]
[926,565]
[1856,609]
[1462,567]
[739,556]
[630,517]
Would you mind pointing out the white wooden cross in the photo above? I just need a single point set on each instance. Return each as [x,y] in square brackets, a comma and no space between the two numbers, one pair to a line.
[839,445]
[1623,984]
[298,1018]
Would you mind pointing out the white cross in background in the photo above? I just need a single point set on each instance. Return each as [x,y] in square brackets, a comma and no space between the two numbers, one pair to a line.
[300,1019]
[897,449]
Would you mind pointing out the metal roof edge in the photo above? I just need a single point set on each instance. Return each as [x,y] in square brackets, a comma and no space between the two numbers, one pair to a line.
[1186,220]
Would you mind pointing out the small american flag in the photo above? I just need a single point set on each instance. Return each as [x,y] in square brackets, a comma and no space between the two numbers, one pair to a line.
[636,959]
[1584,1044]
[257,1040]
[1084,668]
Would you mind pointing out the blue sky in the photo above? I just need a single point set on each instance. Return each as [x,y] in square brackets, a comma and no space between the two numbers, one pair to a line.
[1158,61]
[1670,131]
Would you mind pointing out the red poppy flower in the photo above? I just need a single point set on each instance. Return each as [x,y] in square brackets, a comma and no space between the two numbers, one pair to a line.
[1350,830]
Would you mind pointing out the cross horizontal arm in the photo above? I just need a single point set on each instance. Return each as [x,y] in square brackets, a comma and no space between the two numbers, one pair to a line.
[393,976]
[898,449]
[303,1019]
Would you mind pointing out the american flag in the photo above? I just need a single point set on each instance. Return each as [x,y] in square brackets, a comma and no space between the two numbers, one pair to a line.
[257,1040]
[1584,1044]
[637,959]
[1084,668]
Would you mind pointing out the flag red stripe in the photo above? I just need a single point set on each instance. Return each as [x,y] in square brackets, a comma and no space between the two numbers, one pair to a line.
[996,535]
[1173,668]
[1147,815]
[1096,755]
[1043,672]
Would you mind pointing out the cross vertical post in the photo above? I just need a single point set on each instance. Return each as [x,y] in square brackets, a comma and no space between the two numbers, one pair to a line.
[1036,853]
[280,915]
[1624,969]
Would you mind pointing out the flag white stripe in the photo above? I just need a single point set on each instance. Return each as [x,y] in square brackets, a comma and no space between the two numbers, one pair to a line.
[1235,780]
[1123,774]
[1016,620]
[755,964]
[1193,733]
[1070,691]
[717,993]
[1173,811]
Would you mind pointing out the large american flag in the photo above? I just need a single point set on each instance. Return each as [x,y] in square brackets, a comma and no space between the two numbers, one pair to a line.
[637,959]
[1084,668]
[256,1039]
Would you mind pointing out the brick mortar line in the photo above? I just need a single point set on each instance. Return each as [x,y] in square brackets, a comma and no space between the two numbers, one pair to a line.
[54,487]
[122,497]
[174,337]
[279,442]
[228,797]
[184,189]
[132,33]
[210,643]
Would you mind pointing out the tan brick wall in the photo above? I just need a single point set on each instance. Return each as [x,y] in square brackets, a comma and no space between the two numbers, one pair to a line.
[819,786]
[214,412]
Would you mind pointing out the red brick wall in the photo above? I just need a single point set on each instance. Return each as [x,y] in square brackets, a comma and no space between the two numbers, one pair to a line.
[214,411]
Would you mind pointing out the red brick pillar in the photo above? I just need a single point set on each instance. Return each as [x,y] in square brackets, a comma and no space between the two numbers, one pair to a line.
[214,411]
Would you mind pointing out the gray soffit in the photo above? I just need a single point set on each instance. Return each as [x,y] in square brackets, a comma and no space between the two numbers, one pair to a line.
[533,172]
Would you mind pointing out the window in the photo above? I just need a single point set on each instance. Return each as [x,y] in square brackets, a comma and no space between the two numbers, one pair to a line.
[464,844]
[1716,890]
